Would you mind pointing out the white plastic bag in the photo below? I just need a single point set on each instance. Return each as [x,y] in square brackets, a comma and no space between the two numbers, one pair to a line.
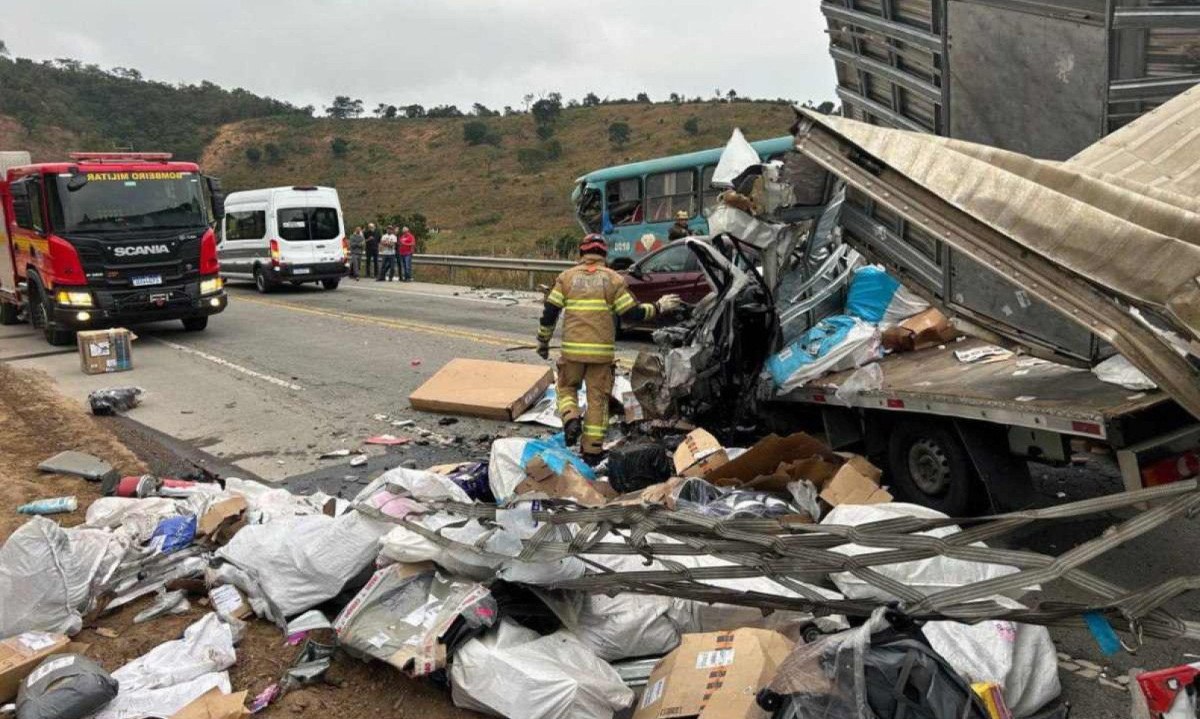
[864,379]
[514,673]
[172,675]
[135,518]
[1021,658]
[737,157]
[627,625]
[505,470]
[44,585]
[926,575]
[299,562]
[267,504]
[1120,371]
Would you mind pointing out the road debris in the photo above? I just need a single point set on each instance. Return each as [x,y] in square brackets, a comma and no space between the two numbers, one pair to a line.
[52,505]
[78,464]
[478,388]
[387,440]
[70,686]
[114,400]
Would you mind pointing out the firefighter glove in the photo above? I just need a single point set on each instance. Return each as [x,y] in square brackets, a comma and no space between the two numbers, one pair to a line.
[543,349]
[668,303]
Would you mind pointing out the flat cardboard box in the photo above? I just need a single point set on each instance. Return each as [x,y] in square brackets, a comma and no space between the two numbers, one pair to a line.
[699,454]
[765,457]
[102,351]
[215,705]
[21,654]
[714,676]
[480,388]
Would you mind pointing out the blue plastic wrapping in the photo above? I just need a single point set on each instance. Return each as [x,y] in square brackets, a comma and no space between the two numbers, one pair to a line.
[556,455]
[174,533]
[871,291]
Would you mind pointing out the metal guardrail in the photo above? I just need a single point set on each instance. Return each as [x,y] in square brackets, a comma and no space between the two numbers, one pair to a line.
[513,264]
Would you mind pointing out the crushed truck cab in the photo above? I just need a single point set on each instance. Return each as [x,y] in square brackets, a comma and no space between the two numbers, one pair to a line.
[107,239]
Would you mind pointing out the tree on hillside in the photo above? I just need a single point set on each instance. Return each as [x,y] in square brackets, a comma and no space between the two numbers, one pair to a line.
[444,111]
[481,110]
[343,108]
[692,126]
[274,153]
[475,132]
[413,112]
[340,146]
[3,49]
[125,73]
[619,133]
[732,95]
[591,100]
[642,98]
[545,114]
[380,109]
[676,98]
[253,154]
[826,107]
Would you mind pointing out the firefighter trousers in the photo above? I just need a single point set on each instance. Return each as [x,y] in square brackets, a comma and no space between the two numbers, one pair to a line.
[599,379]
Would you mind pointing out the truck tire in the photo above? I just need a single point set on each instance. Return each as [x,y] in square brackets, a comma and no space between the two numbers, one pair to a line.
[330,284]
[42,318]
[261,282]
[195,324]
[10,314]
[929,466]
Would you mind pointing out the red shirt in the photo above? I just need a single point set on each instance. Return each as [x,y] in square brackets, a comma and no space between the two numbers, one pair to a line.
[408,244]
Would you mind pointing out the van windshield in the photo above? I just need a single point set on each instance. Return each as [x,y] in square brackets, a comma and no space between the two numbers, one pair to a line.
[301,224]
[116,201]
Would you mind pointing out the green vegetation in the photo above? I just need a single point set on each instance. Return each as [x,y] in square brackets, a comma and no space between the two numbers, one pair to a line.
[618,133]
[65,104]
[692,126]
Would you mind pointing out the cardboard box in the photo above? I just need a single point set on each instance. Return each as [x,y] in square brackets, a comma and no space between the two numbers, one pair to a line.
[102,351]
[542,481]
[215,705]
[699,455]
[921,331]
[21,654]
[766,455]
[855,482]
[225,512]
[714,676]
[479,388]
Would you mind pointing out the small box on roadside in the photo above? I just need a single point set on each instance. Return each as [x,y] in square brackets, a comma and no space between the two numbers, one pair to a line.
[102,351]
[21,654]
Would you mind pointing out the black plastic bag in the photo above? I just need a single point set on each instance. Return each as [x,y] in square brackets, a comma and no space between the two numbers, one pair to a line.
[638,465]
[113,400]
[66,686]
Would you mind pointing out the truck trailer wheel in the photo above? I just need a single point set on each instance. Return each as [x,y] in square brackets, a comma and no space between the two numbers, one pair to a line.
[195,324]
[929,466]
[10,314]
[261,282]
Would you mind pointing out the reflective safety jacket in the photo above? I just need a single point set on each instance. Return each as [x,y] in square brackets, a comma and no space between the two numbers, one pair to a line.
[587,296]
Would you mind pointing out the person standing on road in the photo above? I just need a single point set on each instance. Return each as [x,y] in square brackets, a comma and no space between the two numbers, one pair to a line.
[680,229]
[407,245]
[387,256]
[358,245]
[372,247]
[587,296]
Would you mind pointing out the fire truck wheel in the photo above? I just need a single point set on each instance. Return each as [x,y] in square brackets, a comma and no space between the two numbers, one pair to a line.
[195,324]
[52,333]
[9,314]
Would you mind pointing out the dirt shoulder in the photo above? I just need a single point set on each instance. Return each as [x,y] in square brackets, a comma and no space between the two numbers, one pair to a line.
[35,423]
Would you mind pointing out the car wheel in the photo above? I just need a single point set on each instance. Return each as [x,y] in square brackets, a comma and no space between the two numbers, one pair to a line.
[195,324]
[929,466]
[330,284]
[261,283]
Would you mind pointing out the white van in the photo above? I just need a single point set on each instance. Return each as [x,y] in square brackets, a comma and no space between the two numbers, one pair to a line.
[284,234]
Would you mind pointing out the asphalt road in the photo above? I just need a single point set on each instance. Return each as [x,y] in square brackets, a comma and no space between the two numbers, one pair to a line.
[278,379]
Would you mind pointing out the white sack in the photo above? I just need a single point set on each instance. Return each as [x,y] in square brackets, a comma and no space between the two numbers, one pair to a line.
[739,155]
[267,504]
[1019,657]
[627,625]
[420,484]
[1120,371]
[514,673]
[136,518]
[505,470]
[173,674]
[44,585]
[905,303]
[926,575]
[99,552]
[300,562]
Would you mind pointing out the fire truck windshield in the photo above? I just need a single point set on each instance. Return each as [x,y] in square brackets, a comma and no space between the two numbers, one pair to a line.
[114,201]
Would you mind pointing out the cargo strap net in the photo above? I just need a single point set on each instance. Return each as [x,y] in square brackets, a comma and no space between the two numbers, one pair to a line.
[792,552]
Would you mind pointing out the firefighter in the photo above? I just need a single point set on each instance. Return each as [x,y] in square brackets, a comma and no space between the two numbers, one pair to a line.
[587,295]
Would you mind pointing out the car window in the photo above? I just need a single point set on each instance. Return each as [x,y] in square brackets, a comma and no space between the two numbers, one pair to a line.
[245,225]
[671,259]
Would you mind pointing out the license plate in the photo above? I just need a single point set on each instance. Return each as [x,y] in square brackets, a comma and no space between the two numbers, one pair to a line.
[301,271]
[147,280]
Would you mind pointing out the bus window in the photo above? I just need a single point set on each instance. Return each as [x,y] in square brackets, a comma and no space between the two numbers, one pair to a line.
[708,192]
[625,201]
[670,192]
[588,210]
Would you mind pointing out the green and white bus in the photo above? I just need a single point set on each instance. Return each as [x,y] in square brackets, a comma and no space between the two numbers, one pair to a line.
[628,201]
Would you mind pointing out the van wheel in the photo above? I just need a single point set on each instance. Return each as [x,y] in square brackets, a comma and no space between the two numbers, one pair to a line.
[261,283]
[9,314]
[929,466]
[330,284]
[55,336]
[195,324]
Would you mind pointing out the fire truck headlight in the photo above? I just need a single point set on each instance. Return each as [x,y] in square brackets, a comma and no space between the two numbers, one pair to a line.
[209,286]
[74,299]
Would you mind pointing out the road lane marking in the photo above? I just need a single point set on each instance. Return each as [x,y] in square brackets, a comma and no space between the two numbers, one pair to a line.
[233,366]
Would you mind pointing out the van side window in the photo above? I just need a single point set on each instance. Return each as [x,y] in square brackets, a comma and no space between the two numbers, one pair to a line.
[625,201]
[670,192]
[27,211]
[246,225]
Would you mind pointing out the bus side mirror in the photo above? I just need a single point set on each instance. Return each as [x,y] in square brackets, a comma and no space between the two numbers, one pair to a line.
[218,197]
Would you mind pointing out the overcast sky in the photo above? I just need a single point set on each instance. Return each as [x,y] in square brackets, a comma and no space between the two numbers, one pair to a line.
[452,51]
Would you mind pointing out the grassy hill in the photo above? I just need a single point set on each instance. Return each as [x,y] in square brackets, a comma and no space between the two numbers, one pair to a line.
[484,199]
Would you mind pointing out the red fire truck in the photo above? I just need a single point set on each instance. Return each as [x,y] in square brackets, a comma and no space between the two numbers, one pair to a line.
[107,239]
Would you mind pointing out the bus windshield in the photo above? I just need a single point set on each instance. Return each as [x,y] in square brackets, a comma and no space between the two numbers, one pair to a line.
[116,201]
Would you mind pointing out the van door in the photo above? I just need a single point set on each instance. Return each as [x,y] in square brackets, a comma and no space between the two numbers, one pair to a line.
[310,235]
[244,239]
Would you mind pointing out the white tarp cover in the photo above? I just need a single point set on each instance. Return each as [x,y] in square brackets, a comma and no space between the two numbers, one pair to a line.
[44,582]
[737,157]
[514,673]
[173,674]
[299,562]
[927,576]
